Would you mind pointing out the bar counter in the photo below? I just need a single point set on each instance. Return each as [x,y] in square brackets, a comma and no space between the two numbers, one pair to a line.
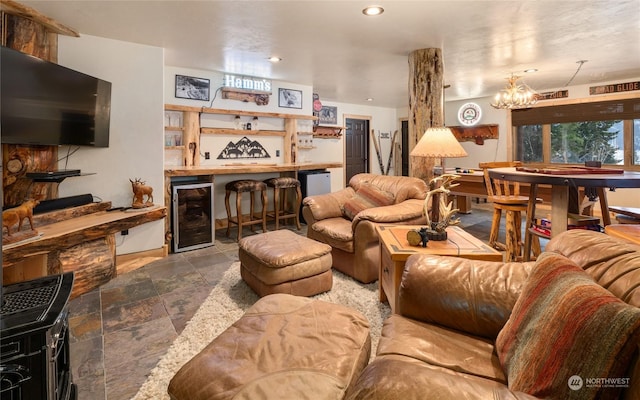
[208,173]
[245,168]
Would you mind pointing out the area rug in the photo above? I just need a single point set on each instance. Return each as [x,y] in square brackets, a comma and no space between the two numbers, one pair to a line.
[228,301]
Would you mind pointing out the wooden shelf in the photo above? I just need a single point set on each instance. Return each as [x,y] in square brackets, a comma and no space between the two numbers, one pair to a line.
[242,132]
[476,133]
[306,147]
[322,131]
[173,147]
[192,131]
[174,128]
[205,110]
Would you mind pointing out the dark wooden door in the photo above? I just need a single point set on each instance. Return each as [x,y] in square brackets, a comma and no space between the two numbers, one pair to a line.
[356,147]
[405,148]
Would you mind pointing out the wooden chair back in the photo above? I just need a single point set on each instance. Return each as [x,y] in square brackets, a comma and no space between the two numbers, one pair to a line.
[497,188]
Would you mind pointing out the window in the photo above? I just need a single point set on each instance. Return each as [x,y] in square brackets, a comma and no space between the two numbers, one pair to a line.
[608,132]
[528,143]
[577,142]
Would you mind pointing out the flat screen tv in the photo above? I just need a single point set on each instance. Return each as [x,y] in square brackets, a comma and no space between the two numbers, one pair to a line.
[42,103]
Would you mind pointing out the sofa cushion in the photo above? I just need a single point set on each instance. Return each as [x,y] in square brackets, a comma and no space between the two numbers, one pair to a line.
[367,196]
[440,347]
[566,329]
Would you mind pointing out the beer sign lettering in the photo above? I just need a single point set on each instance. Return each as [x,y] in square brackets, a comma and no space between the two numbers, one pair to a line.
[247,83]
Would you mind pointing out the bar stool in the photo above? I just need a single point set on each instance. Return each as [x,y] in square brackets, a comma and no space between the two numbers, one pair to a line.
[506,197]
[239,187]
[280,186]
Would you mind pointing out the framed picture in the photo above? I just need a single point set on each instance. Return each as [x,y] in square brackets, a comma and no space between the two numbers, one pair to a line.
[189,87]
[328,115]
[290,98]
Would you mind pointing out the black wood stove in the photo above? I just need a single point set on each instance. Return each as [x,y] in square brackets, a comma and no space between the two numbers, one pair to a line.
[34,340]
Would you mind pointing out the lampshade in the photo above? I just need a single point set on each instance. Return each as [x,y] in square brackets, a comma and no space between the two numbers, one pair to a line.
[438,143]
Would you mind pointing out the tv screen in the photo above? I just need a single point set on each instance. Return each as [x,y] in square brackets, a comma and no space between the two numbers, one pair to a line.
[42,103]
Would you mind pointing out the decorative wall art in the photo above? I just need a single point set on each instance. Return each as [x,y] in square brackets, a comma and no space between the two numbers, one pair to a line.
[328,115]
[244,148]
[289,98]
[189,87]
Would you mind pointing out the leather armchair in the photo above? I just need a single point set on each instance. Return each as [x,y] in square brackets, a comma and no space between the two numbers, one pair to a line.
[354,243]
[441,344]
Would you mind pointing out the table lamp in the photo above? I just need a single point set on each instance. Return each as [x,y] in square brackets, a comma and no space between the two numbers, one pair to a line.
[438,143]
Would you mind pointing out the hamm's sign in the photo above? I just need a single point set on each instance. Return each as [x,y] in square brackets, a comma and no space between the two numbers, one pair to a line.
[248,83]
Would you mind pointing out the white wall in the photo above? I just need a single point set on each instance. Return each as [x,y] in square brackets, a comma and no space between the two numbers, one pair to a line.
[491,149]
[136,130]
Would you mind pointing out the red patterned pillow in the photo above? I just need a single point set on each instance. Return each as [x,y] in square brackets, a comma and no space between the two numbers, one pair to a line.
[367,196]
[567,334]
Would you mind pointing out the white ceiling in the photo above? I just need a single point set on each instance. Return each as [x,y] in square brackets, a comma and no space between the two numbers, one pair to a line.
[348,57]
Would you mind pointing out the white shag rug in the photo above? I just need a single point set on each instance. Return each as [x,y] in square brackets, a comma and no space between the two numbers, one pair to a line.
[227,302]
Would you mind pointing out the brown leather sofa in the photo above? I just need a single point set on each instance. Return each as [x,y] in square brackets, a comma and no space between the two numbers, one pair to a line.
[442,342]
[354,242]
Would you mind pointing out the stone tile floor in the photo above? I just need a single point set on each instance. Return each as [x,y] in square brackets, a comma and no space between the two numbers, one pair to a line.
[121,330]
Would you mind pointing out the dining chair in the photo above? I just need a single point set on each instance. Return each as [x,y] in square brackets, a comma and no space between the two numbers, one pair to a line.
[505,196]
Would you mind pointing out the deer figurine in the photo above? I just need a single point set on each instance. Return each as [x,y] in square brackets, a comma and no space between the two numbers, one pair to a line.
[16,215]
[140,189]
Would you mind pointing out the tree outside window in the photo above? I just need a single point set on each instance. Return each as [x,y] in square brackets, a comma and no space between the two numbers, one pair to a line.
[529,143]
[577,142]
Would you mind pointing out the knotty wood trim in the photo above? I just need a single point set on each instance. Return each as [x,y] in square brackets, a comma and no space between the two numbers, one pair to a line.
[206,110]
[15,8]
[242,132]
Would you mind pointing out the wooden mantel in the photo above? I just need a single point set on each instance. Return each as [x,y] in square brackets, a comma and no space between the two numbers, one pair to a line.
[79,239]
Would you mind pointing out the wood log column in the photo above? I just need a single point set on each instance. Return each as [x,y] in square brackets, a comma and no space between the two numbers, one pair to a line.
[426,104]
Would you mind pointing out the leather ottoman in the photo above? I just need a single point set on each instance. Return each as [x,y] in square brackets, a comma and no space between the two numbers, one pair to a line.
[284,262]
[284,347]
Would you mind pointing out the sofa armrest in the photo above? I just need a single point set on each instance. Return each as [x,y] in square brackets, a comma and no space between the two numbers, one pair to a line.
[469,295]
[408,210]
[328,205]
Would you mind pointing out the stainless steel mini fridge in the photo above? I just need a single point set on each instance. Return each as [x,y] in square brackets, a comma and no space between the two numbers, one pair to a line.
[193,222]
[312,183]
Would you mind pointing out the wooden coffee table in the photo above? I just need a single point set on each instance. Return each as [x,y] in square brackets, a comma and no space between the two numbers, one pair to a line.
[394,251]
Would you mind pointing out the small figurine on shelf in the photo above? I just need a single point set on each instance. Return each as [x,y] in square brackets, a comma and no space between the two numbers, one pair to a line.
[140,189]
[17,215]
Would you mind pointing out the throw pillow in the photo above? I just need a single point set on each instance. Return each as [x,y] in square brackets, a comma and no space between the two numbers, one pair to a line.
[567,337]
[367,196]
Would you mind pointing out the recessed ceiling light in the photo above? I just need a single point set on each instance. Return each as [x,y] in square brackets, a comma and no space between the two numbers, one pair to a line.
[370,99]
[373,10]
[530,70]
[275,59]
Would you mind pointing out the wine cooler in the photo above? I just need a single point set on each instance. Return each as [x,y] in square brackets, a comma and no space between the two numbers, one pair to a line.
[193,216]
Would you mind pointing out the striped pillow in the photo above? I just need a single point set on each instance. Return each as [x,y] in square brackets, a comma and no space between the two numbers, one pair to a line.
[367,196]
[566,333]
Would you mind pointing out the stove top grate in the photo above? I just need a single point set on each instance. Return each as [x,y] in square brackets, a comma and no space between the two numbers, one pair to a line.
[28,299]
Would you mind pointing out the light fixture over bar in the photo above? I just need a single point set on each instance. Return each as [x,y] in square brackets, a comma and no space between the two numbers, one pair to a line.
[515,95]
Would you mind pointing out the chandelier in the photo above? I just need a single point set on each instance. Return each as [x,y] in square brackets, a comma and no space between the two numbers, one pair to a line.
[515,95]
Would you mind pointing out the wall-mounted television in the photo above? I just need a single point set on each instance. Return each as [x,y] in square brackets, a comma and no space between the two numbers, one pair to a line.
[42,103]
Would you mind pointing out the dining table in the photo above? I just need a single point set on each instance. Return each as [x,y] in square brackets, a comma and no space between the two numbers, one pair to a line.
[566,183]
